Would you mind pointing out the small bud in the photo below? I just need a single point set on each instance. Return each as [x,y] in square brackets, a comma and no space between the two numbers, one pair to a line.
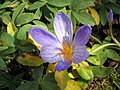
[110,16]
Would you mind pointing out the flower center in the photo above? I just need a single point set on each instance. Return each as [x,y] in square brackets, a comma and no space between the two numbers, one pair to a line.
[67,52]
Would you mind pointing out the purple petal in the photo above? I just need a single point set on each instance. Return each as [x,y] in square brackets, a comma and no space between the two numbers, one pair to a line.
[82,35]
[110,16]
[80,54]
[43,37]
[51,54]
[62,65]
[63,27]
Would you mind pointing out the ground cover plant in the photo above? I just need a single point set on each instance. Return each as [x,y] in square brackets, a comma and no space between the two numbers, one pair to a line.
[59,45]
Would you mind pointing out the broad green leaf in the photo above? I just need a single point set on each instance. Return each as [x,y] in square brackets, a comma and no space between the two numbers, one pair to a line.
[31,85]
[40,24]
[103,56]
[30,60]
[85,71]
[11,28]
[84,18]
[99,58]
[107,40]
[58,3]
[2,64]
[27,48]
[114,7]
[47,85]
[8,51]
[28,17]
[38,13]
[25,0]
[83,83]
[95,15]
[49,77]
[2,48]
[7,39]
[95,47]
[103,15]
[6,18]
[72,85]
[4,5]
[52,9]
[81,4]
[62,78]
[38,72]
[94,60]
[112,54]
[23,31]
[37,4]
[18,11]
[101,71]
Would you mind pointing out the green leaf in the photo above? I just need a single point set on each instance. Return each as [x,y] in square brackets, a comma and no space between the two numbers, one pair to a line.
[58,3]
[72,85]
[28,17]
[18,11]
[99,58]
[2,64]
[2,48]
[46,85]
[8,51]
[95,46]
[38,13]
[41,24]
[114,7]
[83,83]
[103,16]
[31,85]
[7,39]
[49,77]
[103,56]
[94,60]
[84,18]
[81,4]
[6,18]
[38,73]
[112,54]
[23,31]
[107,40]
[99,71]
[30,60]
[62,78]
[37,4]
[85,71]
[4,5]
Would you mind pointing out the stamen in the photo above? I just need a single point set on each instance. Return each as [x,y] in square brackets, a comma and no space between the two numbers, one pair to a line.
[67,52]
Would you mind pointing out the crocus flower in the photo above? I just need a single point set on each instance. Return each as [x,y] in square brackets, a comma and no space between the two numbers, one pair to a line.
[62,48]
[110,16]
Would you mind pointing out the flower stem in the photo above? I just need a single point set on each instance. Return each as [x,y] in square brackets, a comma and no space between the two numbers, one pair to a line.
[103,46]
[114,39]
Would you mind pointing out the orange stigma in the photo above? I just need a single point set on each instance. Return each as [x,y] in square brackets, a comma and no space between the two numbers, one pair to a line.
[67,52]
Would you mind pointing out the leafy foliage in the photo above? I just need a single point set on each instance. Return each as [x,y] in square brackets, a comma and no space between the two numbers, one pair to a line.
[21,68]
